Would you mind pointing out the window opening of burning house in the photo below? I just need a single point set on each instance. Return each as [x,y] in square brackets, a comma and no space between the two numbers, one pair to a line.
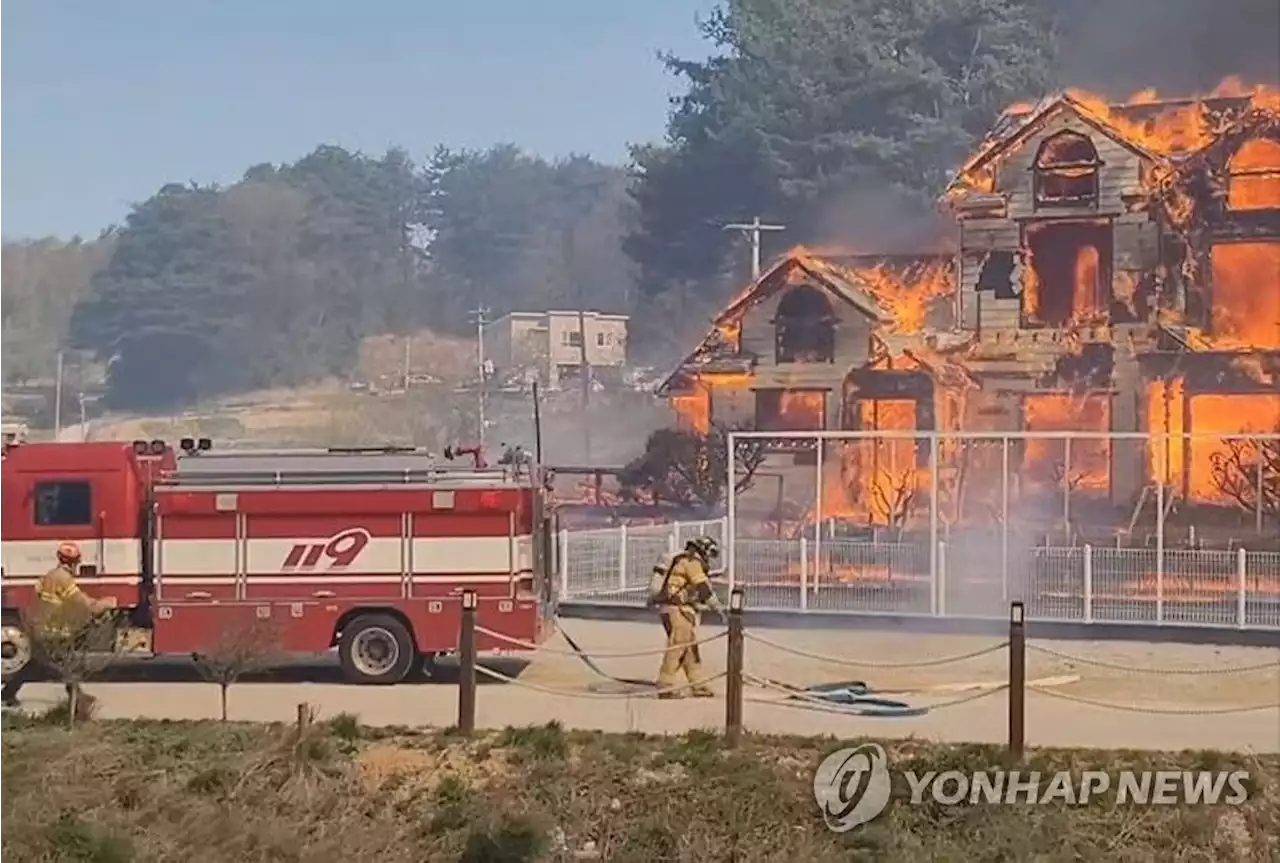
[61,503]
[791,410]
[1254,181]
[1066,171]
[1067,273]
[805,327]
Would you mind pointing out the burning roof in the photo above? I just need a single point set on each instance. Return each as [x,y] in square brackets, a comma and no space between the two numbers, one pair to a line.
[893,291]
[1162,131]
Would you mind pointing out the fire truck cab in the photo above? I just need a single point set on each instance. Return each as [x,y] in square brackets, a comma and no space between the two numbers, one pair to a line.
[364,550]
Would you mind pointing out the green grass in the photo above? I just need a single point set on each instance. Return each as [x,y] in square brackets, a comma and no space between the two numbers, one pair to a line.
[115,792]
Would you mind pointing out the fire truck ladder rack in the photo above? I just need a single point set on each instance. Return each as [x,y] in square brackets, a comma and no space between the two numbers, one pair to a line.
[409,476]
[334,467]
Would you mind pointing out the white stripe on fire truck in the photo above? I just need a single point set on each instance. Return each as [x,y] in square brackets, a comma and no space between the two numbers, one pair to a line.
[433,556]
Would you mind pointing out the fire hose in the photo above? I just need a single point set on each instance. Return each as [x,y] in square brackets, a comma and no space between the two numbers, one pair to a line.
[853,697]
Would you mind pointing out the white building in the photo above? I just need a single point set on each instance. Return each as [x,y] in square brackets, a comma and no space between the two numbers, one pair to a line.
[552,342]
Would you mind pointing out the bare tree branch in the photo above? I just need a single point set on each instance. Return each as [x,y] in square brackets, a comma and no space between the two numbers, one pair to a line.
[242,648]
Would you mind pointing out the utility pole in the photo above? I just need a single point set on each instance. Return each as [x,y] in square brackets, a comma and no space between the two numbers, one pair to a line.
[754,228]
[481,369]
[84,426]
[570,267]
[408,348]
[57,401]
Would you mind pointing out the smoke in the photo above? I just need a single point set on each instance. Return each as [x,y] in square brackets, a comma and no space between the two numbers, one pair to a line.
[878,217]
[1180,47]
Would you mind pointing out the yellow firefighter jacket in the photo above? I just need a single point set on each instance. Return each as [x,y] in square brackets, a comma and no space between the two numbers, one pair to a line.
[687,582]
[59,601]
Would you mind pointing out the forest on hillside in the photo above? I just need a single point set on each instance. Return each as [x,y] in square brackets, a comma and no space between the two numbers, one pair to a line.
[839,118]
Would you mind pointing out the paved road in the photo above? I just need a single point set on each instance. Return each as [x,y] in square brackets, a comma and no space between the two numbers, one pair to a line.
[172,691]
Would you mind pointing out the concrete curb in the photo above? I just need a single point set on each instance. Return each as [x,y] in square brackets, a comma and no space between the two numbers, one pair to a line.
[1046,629]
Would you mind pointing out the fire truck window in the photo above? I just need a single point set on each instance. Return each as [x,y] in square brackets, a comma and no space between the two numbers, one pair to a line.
[62,503]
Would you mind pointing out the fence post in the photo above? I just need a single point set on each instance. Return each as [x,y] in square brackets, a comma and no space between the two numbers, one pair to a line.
[467,665]
[304,719]
[673,538]
[733,682]
[1160,551]
[622,557]
[940,581]
[564,562]
[1017,681]
[804,572]
[1088,584]
[1242,573]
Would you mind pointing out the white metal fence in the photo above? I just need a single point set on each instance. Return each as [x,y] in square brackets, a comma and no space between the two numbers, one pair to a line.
[1238,588]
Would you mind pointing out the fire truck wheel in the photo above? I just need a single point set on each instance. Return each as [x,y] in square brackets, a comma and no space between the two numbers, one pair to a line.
[15,649]
[376,649]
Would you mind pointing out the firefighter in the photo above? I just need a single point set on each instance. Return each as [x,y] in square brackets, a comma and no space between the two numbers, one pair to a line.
[56,589]
[681,592]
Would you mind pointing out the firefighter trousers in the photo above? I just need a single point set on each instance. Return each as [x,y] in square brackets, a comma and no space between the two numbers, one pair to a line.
[683,656]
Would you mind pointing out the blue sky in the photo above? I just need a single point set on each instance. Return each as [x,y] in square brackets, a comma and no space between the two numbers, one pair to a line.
[103,102]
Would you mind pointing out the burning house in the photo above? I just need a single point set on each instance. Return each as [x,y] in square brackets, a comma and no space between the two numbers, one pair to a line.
[1117,269]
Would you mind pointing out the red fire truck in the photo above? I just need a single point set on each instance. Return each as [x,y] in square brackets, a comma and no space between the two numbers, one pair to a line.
[366,551]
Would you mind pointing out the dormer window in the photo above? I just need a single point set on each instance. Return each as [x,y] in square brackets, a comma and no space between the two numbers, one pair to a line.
[805,327]
[1066,171]
[1254,176]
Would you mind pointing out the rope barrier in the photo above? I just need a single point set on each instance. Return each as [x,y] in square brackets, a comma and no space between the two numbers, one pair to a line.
[596,654]
[654,692]
[1116,666]
[927,663]
[1162,711]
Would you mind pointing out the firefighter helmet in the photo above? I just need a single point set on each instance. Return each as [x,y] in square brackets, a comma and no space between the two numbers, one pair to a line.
[705,547]
[68,553]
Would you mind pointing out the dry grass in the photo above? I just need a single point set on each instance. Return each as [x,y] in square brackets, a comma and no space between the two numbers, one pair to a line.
[134,791]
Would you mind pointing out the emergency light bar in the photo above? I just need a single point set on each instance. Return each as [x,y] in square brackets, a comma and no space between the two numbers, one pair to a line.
[194,445]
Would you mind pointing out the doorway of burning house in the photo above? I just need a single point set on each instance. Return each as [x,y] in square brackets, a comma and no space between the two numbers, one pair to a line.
[879,400]
[1070,265]
[804,327]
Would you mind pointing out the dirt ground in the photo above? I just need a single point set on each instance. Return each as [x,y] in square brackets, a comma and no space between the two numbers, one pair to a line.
[579,699]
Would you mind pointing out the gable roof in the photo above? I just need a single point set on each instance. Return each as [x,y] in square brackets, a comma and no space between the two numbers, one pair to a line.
[842,285]
[1014,127]
[1123,123]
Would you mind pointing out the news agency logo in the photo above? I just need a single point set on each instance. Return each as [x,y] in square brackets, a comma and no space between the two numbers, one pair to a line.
[853,786]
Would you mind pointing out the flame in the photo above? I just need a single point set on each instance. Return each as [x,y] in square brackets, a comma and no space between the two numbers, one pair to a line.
[875,479]
[693,411]
[801,410]
[1063,277]
[1246,294]
[1254,182]
[693,408]
[907,294]
[1162,126]
[1187,463]
[1047,461]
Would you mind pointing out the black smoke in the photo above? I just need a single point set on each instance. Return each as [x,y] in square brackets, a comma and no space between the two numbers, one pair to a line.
[1180,47]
